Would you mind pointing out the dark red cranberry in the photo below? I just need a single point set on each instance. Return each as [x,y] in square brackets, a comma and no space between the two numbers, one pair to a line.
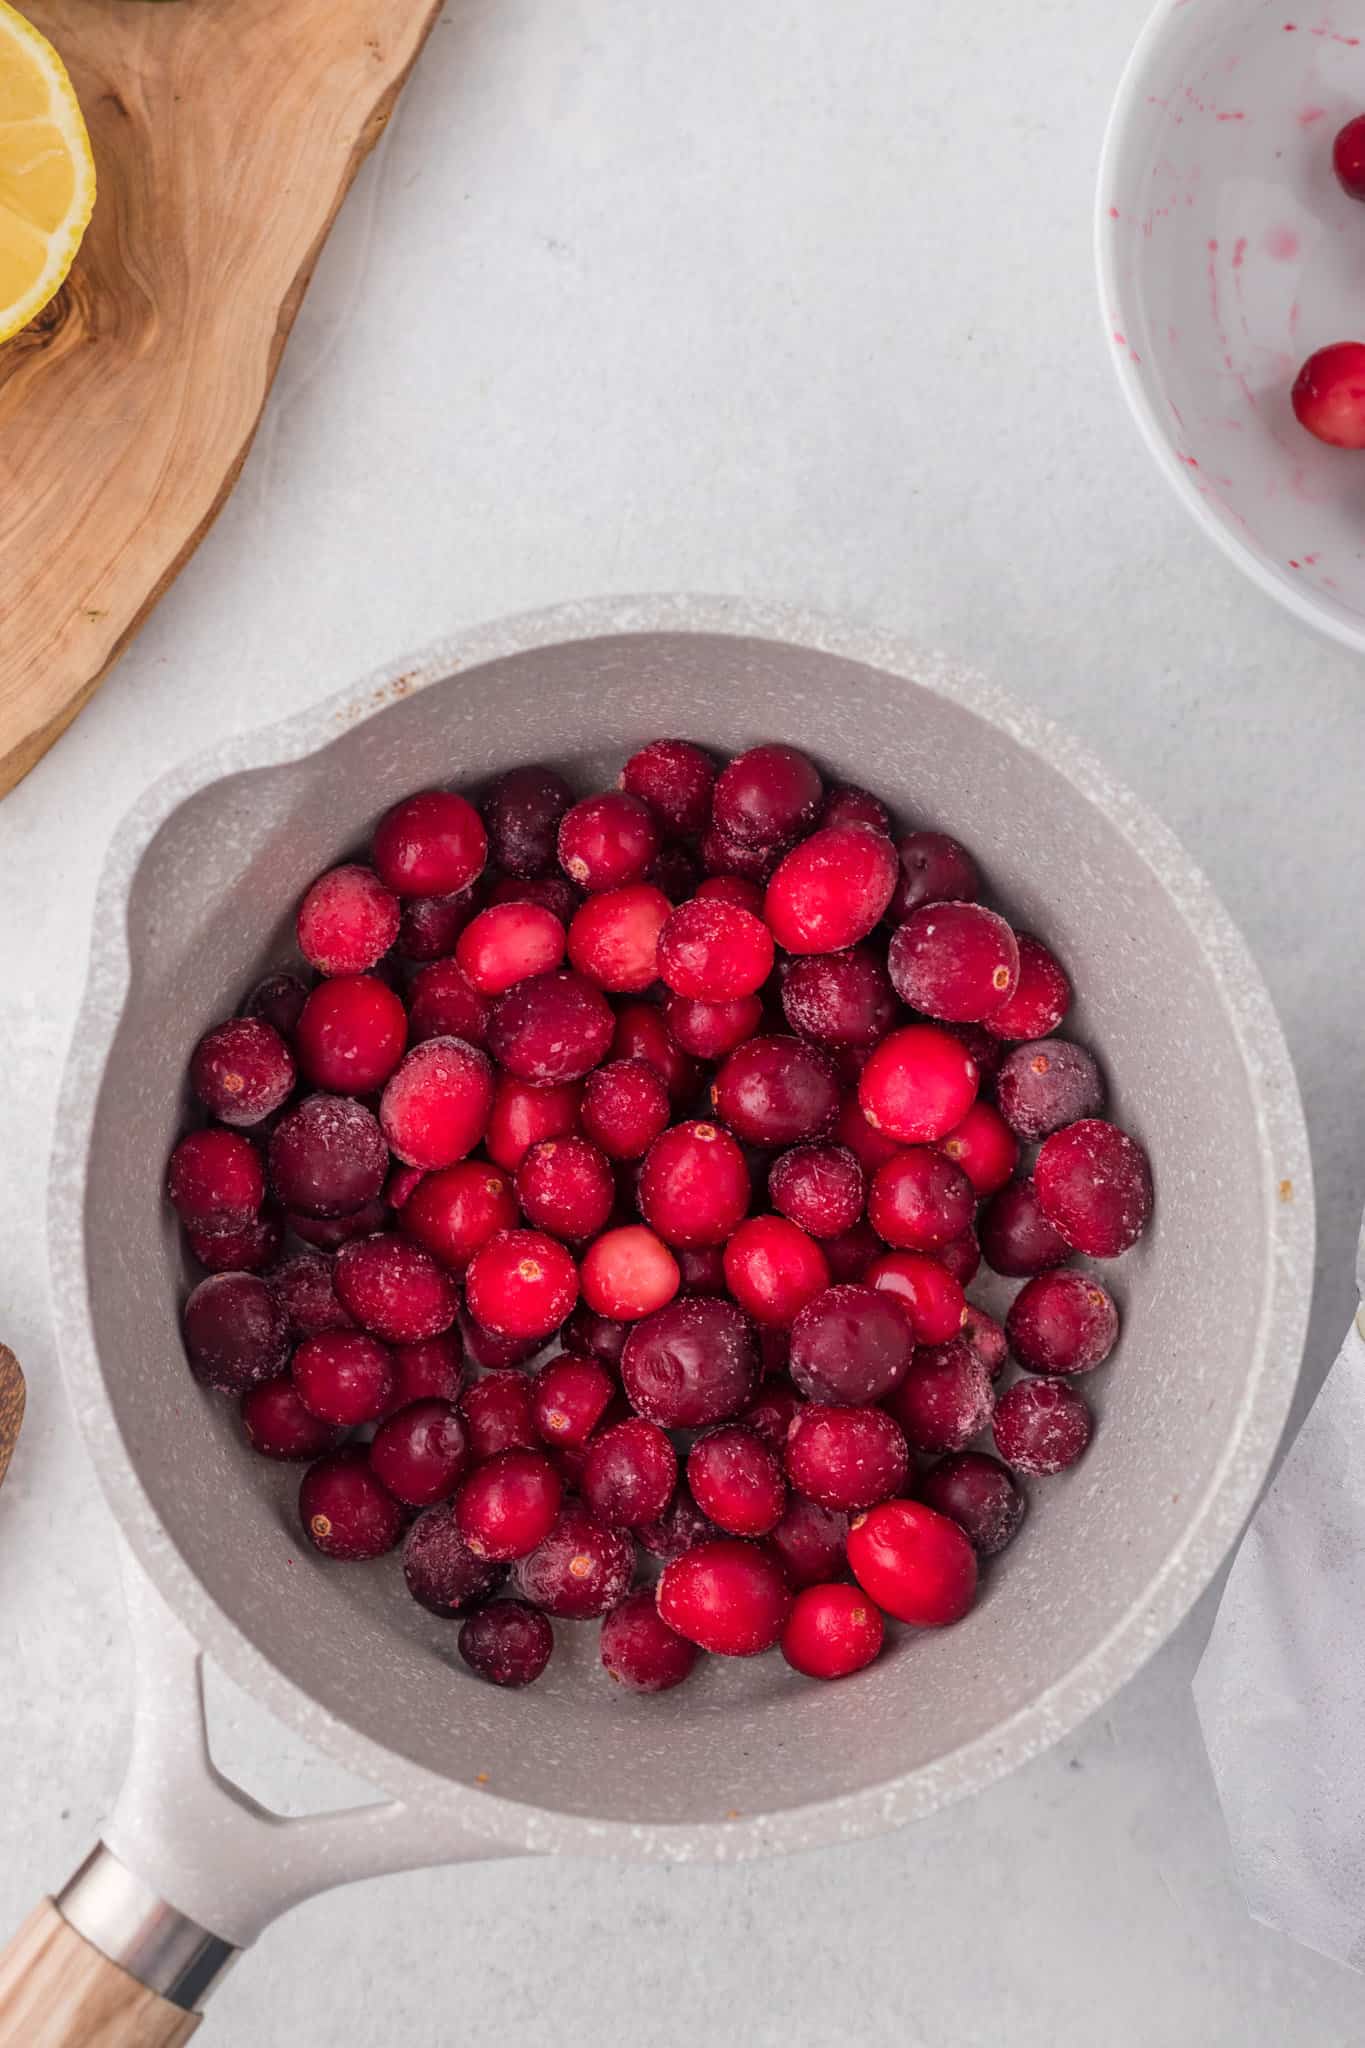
[347,1513]
[508,943]
[569,1397]
[630,1473]
[428,926]
[607,839]
[980,1495]
[277,1425]
[767,796]
[1095,1187]
[580,1570]
[555,893]
[831,1632]
[329,1233]
[507,1643]
[933,869]
[918,1085]
[776,1091]
[642,1033]
[236,1333]
[1042,1426]
[691,1363]
[508,1506]
[839,998]
[638,1648]
[1016,1237]
[1328,395]
[344,1376]
[242,1070]
[436,1106]
[694,1185]
[869,1146]
[550,1029]
[1062,1323]
[432,1370]
[714,952]
[711,1030]
[819,1187]
[394,1289]
[521,1284]
[984,1146]
[961,1256]
[278,1001]
[844,1459]
[614,938]
[327,1157]
[421,1452]
[247,1249]
[725,1596]
[930,1296]
[347,921]
[702,1270]
[625,1106]
[987,1338]
[442,1572]
[401,1184]
[589,1335]
[985,1052]
[566,1186]
[808,1542]
[915,1563]
[831,890]
[522,1116]
[919,1201]
[1348,157]
[629,1273]
[675,779]
[430,844]
[731,889]
[452,1212]
[849,1345]
[956,961]
[676,872]
[352,1034]
[1042,995]
[736,1480]
[853,1252]
[1047,1084]
[499,1415]
[849,804]
[945,1399]
[489,1350]
[681,1525]
[723,855]
[215,1180]
[773,1269]
[770,1415]
[443,1005]
[522,813]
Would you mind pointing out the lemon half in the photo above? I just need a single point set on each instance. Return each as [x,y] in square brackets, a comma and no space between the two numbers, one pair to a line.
[47,174]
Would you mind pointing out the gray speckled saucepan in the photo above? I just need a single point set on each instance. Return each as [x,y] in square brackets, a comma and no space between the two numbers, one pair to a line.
[746,1760]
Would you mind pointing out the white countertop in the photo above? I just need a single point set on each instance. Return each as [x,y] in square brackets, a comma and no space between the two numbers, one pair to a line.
[791,300]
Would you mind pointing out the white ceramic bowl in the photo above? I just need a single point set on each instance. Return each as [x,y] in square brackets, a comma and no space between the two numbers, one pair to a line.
[1227,253]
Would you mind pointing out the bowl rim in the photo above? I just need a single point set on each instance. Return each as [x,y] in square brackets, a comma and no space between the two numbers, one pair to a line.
[1315,609]
[483,1817]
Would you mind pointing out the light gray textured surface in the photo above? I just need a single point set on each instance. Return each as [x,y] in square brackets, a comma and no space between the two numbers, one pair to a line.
[746,300]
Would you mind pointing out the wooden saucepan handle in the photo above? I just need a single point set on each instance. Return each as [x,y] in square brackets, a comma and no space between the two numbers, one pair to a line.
[57,1991]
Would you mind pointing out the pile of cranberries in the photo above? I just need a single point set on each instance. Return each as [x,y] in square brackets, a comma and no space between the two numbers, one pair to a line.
[725,1089]
[1329,391]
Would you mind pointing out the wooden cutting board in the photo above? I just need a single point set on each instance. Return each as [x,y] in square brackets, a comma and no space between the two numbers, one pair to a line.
[225,133]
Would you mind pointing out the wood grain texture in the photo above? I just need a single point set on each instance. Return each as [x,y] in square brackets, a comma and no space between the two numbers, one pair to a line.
[56,1991]
[13,1395]
[225,134]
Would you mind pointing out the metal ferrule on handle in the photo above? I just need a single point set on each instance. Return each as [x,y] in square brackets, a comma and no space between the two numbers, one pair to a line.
[123,1918]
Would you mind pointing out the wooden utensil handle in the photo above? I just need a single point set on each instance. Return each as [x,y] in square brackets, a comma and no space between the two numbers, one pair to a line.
[56,1991]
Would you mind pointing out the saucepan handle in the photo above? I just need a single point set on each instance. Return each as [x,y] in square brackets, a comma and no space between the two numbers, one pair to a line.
[58,1991]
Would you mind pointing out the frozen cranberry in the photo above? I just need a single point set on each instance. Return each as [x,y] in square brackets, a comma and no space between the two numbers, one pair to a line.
[702,1269]
[773,1269]
[327,1157]
[770,1416]
[395,1289]
[452,1212]
[444,1005]
[1042,995]
[694,1186]
[774,1349]
[347,1513]
[869,1146]
[987,1338]
[625,1106]
[776,1091]
[421,1453]
[277,1425]
[714,952]
[854,1251]
[629,1273]
[428,926]
[675,779]
[945,1399]
[555,893]
[638,1648]
[849,1345]
[1348,158]
[215,1180]
[980,1495]
[236,1333]
[642,1033]
[808,1542]
[247,1249]
[521,1284]
[675,872]
[347,921]
[589,1335]
[506,1643]
[506,944]
[831,1632]
[957,961]
[351,1034]
[961,1257]
[566,1186]
[436,1106]
[431,1370]
[489,1350]
[1062,1323]
[499,1415]
[569,1397]
[985,1052]
[844,1459]
[736,1480]
[839,998]
[767,795]
[344,1376]
[849,804]
[711,1030]
[607,839]
[691,1363]
[1016,1237]
[928,1293]
[726,1596]
[933,869]
[1329,395]
[550,1029]
[630,1473]
[329,1233]
[731,889]
[242,1070]
[722,855]
[522,813]
[984,1146]
[1095,1187]
[919,1201]
[1042,1426]
[401,1184]
[278,1001]
[430,844]
[819,1187]
[507,1506]
[918,1085]
[614,938]
[580,1570]
[442,1572]
[523,1116]
[831,890]
[915,1563]
[681,1525]
[1047,1084]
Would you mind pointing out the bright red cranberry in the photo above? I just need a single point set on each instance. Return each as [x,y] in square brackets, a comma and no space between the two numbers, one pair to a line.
[431,844]
[702,1270]
[919,1201]
[555,893]
[961,1257]
[428,926]
[523,1116]
[521,1284]
[352,1034]
[767,796]
[723,855]
[522,813]
[638,1648]
[1348,158]
[1062,1323]
[1095,1187]
[831,1632]
[1016,1237]
[987,1338]
[675,779]
[345,1510]
[933,869]
[819,1187]
[499,1415]
[918,1085]
[421,1453]
[327,1157]
[711,1030]
[980,1495]
[731,889]
[347,921]
[452,1212]
[1329,395]
[928,1293]
[247,1249]
[643,1034]
[329,1233]
[242,1070]
[277,1425]
[506,1643]
[694,1186]
[681,1525]
[401,1185]
[566,1186]
[849,804]
[278,1001]
[869,1146]
[629,1273]
[442,1572]
[443,1005]
[607,839]
[1042,995]
[1047,1084]
[569,1397]
[625,1106]
[957,961]
[436,1106]
[776,1091]
[580,1570]
[344,1376]
[691,1363]
[736,1480]
[915,1563]
[849,1345]
[844,1459]
[215,1180]
[551,1029]
[236,1333]
[773,1269]
[714,952]
[589,1335]
[630,1474]
[770,1416]
[614,938]
[432,1370]
[727,1597]
[508,1506]
[831,890]
[945,1399]
[853,1252]
[1042,1426]
[984,1146]
[506,944]
[839,998]
[808,1542]
[395,1289]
